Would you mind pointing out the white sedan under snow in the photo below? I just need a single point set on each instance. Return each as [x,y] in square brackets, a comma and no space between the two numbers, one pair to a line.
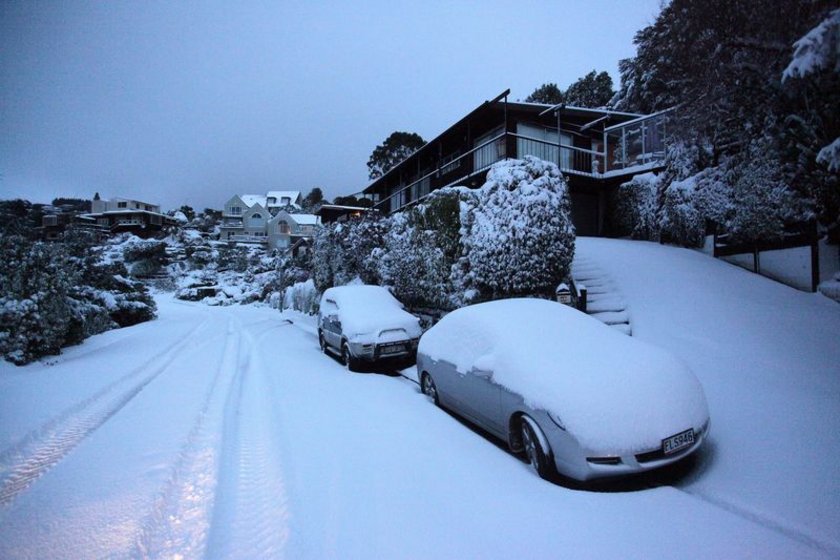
[576,396]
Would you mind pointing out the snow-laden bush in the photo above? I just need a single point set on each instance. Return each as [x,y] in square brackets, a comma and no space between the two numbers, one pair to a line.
[681,222]
[518,239]
[762,203]
[58,294]
[634,207]
[347,250]
[302,296]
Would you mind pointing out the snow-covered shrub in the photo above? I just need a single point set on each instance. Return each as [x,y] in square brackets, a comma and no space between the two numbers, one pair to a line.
[302,296]
[144,257]
[347,250]
[518,238]
[412,263]
[762,201]
[360,241]
[35,307]
[681,222]
[326,251]
[421,247]
[634,207]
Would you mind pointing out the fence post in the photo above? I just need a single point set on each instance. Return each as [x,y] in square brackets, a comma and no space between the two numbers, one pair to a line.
[815,264]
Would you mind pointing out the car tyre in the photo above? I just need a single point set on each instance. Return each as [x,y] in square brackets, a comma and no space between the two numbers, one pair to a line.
[347,358]
[428,388]
[322,342]
[539,459]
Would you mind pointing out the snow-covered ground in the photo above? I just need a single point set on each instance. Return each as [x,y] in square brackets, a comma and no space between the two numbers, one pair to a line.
[224,432]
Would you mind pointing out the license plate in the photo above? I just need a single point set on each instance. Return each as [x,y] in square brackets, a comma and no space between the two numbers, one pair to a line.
[394,349]
[678,441]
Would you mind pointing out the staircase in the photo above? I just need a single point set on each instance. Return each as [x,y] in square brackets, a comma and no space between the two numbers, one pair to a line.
[603,299]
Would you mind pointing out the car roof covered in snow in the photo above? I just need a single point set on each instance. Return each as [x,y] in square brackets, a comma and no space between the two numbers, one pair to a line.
[364,309]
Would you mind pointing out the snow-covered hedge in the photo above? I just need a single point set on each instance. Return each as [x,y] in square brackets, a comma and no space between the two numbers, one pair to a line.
[635,205]
[513,236]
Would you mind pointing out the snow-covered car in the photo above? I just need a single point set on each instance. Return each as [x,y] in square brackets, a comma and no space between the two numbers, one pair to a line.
[366,324]
[576,396]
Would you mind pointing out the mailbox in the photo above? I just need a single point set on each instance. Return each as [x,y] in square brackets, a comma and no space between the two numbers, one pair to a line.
[564,294]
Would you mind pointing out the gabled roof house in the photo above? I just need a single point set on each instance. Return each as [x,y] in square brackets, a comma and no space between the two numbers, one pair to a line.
[596,149]
[265,219]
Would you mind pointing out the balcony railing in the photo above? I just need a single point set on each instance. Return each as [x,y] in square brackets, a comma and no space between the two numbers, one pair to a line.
[636,144]
[247,238]
[633,146]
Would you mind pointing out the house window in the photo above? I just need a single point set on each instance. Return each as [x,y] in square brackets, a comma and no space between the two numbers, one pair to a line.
[235,210]
[285,200]
[50,220]
[255,220]
[488,154]
[450,162]
[122,204]
[156,220]
[283,227]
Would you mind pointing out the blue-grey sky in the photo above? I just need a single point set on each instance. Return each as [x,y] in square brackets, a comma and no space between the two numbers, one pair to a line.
[190,102]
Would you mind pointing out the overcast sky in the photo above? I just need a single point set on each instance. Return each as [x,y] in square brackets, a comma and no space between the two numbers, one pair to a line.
[190,102]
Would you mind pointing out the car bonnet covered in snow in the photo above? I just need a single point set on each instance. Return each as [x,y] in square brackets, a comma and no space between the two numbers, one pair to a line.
[612,392]
[367,310]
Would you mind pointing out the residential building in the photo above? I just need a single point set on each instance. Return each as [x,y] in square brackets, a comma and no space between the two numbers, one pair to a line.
[596,149]
[329,213]
[267,219]
[128,215]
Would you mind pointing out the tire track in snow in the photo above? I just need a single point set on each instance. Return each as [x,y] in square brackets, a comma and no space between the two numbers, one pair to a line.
[744,513]
[23,463]
[179,523]
[250,518]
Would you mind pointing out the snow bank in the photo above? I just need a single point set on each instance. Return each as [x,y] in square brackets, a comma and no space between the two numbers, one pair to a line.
[611,391]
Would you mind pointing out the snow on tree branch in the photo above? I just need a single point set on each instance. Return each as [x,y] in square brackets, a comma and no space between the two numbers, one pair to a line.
[816,50]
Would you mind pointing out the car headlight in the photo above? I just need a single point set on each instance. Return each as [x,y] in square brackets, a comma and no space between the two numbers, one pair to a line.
[556,420]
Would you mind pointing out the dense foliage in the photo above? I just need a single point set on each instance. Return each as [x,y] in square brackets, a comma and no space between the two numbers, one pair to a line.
[593,90]
[511,237]
[56,294]
[754,117]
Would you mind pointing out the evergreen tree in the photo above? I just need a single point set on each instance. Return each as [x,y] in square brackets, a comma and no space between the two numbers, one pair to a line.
[593,90]
[548,94]
[395,148]
[313,200]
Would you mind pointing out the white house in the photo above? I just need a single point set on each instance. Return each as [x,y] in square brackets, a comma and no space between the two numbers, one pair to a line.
[256,218]
[285,229]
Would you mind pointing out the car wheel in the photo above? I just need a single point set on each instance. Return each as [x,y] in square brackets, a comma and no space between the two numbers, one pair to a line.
[428,387]
[347,358]
[322,342]
[540,459]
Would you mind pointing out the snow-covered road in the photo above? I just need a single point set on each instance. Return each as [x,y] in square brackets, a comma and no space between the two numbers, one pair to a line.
[225,433]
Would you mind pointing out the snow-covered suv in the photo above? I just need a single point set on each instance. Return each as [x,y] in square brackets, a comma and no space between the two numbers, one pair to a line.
[366,324]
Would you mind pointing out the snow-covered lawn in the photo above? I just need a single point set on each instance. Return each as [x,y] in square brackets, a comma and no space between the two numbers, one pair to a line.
[224,432]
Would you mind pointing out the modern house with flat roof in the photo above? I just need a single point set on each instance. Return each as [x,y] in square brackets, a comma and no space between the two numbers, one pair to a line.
[119,215]
[596,149]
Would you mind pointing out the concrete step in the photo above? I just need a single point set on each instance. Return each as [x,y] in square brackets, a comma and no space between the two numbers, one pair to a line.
[612,317]
[614,305]
[623,328]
